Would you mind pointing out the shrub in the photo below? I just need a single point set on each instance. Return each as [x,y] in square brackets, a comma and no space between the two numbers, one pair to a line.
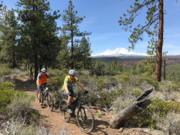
[163,107]
[56,77]
[17,127]
[122,102]
[124,78]
[106,82]
[173,72]
[17,104]
[149,81]
[169,124]
[4,69]
[169,86]
[136,92]
[6,86]
[144,67]
[156,111]
[106,98]
[126,98]
[20,106]
[174,128]
[6,97]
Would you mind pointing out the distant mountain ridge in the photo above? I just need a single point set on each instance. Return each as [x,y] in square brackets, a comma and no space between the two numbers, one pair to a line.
[134,58]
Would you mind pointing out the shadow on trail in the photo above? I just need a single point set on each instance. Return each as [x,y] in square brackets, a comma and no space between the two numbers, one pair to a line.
[100,127]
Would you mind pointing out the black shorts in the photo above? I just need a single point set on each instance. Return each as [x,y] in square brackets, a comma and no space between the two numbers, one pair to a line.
[41,87]
[71,92]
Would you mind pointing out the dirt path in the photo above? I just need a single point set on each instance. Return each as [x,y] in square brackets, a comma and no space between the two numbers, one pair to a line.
[56,123]
[57,126]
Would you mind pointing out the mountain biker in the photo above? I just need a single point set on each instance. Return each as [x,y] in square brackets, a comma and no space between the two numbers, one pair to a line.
[70,82]
[41,80]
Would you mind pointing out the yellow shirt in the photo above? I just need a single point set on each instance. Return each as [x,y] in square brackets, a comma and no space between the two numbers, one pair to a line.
[69,81]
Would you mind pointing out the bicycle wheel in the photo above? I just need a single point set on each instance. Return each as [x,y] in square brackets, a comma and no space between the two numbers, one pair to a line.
[85,119]
[49,100]
[39,96]
[42,99]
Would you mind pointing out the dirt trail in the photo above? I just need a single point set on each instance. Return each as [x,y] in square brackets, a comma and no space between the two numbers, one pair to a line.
[56,123]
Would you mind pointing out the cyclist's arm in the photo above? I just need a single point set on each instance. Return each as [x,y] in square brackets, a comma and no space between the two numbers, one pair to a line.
[66,85]
[37,79]
[38,76]
[47,75]
[66,88]
[81,86]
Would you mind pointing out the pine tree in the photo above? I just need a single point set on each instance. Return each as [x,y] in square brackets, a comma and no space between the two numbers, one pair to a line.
[39,42]
[63,55]
[9,39]
[153,26]
[85,52]
[70,27]
[2,18]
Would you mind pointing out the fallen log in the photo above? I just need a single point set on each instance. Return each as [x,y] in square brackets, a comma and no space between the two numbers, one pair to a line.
[127,113]
[144,95]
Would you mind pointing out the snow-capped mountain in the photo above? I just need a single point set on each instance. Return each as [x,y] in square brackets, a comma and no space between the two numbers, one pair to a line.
[118,52]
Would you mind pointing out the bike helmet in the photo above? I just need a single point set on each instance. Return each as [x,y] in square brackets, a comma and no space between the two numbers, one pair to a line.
[43,70]
[72,72]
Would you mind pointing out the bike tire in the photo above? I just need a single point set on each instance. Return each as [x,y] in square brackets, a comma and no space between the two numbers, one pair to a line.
[85,119]
[42,99]
[49,100]
[39,97]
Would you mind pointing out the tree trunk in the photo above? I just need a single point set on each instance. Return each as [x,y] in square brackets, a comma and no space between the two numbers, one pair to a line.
[35,46]
[160,41]
[72,49]
[35,66]
[164,69]
[119,120]
[123,116]
[31,71]
[14,58]
[72,41]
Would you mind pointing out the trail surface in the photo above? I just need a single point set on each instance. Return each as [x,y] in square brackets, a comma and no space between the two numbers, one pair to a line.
[57,126]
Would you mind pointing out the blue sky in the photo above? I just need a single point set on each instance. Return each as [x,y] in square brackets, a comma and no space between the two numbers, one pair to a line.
[102,21]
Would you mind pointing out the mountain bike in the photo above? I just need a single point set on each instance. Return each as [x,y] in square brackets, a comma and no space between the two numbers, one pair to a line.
[44,97]
[57,101]
[84,116]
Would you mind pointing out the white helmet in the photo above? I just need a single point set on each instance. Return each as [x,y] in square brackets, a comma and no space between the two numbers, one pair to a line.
[72,72]
[43,70]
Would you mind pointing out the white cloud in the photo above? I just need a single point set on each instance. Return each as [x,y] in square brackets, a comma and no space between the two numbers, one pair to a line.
[118,52]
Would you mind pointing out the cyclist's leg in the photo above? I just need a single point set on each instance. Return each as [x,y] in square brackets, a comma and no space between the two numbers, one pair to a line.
[72,105]
[70,96]
[41,88]
[38,91]
[41,92]
[70,100]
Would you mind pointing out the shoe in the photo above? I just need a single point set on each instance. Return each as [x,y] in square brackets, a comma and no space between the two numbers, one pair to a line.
[43,105]
[69,111]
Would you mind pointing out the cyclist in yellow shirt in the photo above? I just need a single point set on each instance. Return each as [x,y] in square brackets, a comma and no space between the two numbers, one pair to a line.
[69,85]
